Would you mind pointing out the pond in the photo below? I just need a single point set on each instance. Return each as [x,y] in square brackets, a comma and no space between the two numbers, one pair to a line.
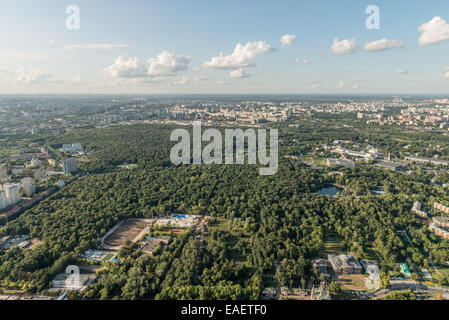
[329,190]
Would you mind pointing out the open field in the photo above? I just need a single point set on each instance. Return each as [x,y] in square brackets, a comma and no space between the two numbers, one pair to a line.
[131,229]
[331,246]
[352,281]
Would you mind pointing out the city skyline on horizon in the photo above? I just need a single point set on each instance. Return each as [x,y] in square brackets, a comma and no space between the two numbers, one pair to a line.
[159,48]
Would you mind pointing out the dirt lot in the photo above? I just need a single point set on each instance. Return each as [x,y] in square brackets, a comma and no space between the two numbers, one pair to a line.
[131,229]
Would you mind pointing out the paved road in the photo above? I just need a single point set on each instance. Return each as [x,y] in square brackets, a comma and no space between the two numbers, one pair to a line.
[402,285]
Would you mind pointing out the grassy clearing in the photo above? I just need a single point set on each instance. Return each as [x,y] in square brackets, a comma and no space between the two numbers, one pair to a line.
[331,246]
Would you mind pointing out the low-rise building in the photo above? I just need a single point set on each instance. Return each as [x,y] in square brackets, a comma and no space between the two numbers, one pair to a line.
[366,263]
[151,243]
[321,265]
[344,264]
[340,162]
[417,209]
[440,226]
[440,207]
[70,281]
[390,165]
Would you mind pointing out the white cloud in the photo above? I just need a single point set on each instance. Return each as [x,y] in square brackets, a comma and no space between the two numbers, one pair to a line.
[167,63]
[77,81]
[94,46]
[27,76]
[434,31]
[242,56]
[24,55]
[358,70]
[288,40]
[383,44]
[127,68]
[402,71]
[305,61]
[182,81]
[340,85]
[4,71]
[355,86]
[164,64]
[346,46]
[51,41]
[239,73]
[222,82]
[446,74]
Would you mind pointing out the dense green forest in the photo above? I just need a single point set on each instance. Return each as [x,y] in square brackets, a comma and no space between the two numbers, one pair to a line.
[264,224]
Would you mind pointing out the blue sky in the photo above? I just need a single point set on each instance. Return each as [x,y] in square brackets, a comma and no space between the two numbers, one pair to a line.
[174,47]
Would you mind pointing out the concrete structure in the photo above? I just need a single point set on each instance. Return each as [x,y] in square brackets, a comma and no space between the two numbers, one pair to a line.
[426,160]
[3,200]
[70,281]
[8,242]
[366,263]
[179,221]
[151,243]
[69,166]
[417,209]
[440,207]
[72,147]
[100,255]
[12,193]
[340,162]
[322,293]
[321,265]
[344,264]
[439,226]
[393,166]
[29,185]
[442,222]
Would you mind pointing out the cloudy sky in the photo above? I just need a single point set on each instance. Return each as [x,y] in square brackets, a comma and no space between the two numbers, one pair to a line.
[208,46]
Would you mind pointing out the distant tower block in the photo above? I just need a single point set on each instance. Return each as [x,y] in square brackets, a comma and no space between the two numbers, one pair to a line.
[69,166]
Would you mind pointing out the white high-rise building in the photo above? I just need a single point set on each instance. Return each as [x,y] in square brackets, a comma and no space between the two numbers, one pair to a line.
[29,185]
[12,193]
[3,201]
